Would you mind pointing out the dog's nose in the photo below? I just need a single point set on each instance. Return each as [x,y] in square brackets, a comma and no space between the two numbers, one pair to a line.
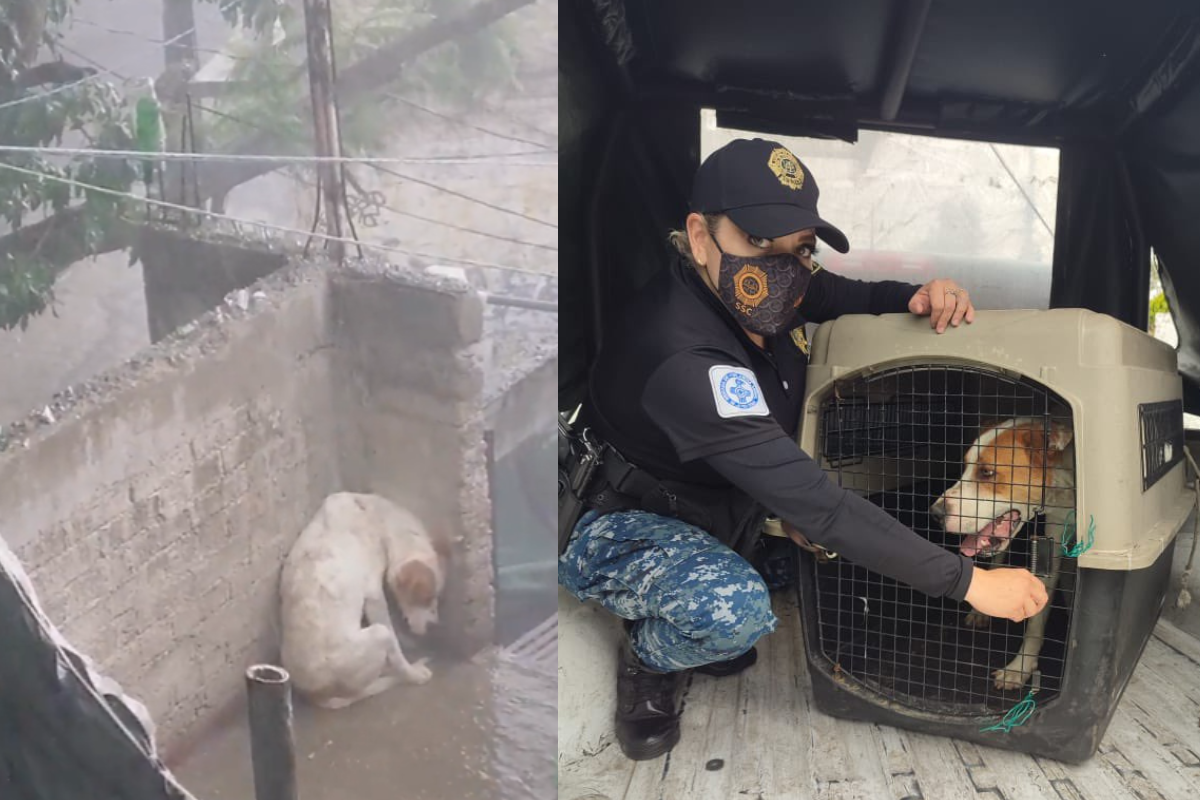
[938,511]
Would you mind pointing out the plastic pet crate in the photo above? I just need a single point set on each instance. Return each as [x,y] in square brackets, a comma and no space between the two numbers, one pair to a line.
[1077,426]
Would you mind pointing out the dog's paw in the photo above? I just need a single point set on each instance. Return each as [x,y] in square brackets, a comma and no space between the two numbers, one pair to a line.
[419,672]
[1009,680]
[974,619]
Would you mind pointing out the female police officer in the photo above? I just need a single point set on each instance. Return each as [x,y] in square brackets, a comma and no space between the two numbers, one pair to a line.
[700,386]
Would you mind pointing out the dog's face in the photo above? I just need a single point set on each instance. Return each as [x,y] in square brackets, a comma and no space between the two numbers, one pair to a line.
[1007,472]
[417,586]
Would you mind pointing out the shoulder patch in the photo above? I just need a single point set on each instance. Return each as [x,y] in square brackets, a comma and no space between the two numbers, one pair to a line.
[737,392]
[800,339]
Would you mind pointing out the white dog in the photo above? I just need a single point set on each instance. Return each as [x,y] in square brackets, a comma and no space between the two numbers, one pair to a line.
[335,575]
[1014,470]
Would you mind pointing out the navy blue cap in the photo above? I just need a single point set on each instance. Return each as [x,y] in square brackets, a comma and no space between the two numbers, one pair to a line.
[764,189]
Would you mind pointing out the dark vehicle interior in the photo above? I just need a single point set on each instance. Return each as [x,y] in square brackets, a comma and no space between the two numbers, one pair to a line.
[1114,86]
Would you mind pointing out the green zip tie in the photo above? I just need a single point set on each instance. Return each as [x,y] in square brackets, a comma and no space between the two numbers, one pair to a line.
[1017,715]
[1079,548]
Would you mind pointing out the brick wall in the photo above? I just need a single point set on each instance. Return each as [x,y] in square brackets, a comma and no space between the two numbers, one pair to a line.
[154,514]
[153,518]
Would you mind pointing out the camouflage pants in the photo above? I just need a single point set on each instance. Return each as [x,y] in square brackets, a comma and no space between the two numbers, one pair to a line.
[692,599]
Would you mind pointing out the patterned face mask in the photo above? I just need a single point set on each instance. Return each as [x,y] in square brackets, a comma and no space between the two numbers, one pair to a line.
[762,291]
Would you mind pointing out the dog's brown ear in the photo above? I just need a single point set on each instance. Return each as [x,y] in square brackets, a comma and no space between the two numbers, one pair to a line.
[1045,445]
[1060,435]
[415,584]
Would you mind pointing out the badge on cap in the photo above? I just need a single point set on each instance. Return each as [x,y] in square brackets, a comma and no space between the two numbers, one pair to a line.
[787,168]
[737,392]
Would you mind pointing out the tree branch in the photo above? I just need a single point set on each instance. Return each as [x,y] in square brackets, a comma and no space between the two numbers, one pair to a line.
[56,72]
[61,239]
[373,72]
[62,235]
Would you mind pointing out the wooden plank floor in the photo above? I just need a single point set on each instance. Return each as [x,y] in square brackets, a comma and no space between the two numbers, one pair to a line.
[756,736]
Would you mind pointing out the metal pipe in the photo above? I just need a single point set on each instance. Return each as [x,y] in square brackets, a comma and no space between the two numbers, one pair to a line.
[272,747]
[521,302]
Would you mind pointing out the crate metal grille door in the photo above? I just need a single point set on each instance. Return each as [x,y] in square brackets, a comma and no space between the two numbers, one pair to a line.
[901,439]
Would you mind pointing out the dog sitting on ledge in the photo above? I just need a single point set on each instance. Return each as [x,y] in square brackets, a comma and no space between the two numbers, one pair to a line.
[1013,471]
[335,577]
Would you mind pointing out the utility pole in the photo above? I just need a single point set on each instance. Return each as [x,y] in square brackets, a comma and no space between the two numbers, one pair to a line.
[179,29]
[318,24]
[182,61]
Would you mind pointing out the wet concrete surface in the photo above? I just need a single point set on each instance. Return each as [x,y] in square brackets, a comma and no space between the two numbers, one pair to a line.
[453,738]
[410,743]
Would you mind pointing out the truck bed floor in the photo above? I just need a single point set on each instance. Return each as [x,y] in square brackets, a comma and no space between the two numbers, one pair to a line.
[756,736]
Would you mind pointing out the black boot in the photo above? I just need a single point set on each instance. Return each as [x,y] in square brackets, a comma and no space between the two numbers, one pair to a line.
[733,666]
[648,707]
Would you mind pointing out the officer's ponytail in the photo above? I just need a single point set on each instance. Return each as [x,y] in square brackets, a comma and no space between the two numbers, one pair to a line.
[679,239]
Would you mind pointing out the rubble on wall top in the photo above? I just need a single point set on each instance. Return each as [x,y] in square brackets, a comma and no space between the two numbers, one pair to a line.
[197,338]
[517,341]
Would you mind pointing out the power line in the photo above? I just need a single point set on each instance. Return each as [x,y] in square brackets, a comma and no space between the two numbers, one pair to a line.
[454,193]
[391,209]
[267,225]
[171,155]
[465,124]
[452,226]
[89,60]
[511,117]
[151,40]
[225,54]
[434,186]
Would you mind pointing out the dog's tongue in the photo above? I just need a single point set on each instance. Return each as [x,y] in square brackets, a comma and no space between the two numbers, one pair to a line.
[999,528]
[972,543]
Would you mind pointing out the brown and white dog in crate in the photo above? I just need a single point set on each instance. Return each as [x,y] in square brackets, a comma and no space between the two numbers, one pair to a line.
[335,575]
[1013,471]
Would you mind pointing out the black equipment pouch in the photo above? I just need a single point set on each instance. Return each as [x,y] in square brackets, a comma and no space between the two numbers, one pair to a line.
[729,515]
[579,461]
[594,475]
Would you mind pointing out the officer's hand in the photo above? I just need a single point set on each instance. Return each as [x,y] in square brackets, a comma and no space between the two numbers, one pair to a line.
[944,302]
[1009,593]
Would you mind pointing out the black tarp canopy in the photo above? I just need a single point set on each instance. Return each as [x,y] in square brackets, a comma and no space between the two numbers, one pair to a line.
[67,730]
[1114,85]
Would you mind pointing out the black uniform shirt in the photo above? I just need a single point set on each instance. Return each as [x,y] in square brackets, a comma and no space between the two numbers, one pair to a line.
[681,391]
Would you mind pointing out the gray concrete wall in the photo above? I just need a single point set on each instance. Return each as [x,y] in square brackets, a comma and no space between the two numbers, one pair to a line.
[411,421]
[154,513]
[184,277]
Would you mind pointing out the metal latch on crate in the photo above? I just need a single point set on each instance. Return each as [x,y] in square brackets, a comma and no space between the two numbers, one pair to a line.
[1043,554]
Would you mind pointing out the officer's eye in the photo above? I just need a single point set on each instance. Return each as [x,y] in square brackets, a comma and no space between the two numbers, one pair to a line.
[760,242]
